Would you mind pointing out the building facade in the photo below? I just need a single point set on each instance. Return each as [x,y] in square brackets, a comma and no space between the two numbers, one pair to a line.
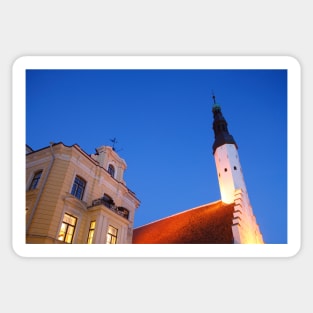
[73,197]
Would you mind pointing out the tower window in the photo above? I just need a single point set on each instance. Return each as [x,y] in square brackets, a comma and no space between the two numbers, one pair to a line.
[35,180]
[111,170]
[225,169]
[235,168]
[78,187]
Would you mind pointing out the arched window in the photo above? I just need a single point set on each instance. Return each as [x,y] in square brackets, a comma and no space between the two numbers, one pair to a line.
[111,170]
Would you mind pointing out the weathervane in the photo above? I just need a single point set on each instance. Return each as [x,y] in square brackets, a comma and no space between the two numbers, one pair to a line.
[114,141]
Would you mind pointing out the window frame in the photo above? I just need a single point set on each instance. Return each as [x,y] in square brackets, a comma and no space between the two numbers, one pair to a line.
[111,170]
[35,181]
[67,228]
[91,232]
[110,237]
[78,189]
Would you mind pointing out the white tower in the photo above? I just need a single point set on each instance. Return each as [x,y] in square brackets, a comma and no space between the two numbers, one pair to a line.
[231,181]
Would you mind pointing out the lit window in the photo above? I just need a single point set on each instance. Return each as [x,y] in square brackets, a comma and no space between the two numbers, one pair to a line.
[91,231]
[111,170]
[78,188]
[35,180]
[67,228]
[112,235]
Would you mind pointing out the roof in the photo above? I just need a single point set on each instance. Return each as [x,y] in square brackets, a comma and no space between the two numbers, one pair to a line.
[207,224]
[88,156]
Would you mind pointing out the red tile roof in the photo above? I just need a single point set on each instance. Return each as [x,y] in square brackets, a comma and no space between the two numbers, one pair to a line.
[207,224]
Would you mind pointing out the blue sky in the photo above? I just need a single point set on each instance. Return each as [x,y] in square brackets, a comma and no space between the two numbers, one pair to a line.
[162,120]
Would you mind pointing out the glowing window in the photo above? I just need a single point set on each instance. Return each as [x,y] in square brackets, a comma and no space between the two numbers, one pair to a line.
[67,229]
[91,231]
[112,235]
[111,170]
[35,180]
[78,187]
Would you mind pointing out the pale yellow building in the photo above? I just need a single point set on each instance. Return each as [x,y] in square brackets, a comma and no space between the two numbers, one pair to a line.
[73,197]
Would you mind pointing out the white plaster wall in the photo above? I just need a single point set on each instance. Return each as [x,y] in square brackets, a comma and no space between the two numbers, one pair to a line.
[229,172]
[245,228]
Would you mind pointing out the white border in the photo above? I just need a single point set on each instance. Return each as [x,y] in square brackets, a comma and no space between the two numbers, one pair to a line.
[156,62]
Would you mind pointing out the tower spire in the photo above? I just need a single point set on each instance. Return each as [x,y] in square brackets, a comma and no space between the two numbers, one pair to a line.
[231,181]
[221,133]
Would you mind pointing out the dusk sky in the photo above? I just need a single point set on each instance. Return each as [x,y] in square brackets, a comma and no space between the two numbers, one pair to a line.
[162,121]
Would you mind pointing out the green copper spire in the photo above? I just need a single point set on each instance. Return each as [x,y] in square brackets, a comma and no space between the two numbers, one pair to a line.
[222,136]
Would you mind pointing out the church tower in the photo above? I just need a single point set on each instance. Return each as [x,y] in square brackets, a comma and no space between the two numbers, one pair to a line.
[231,181]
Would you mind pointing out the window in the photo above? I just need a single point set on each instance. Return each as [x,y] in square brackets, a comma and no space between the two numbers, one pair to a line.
[78,187]
[91,231]
[112,235]
[67,228]
[111,170]
[35,180]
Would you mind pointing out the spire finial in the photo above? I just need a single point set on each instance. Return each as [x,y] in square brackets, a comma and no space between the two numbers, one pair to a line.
[213,96]
[215,106]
